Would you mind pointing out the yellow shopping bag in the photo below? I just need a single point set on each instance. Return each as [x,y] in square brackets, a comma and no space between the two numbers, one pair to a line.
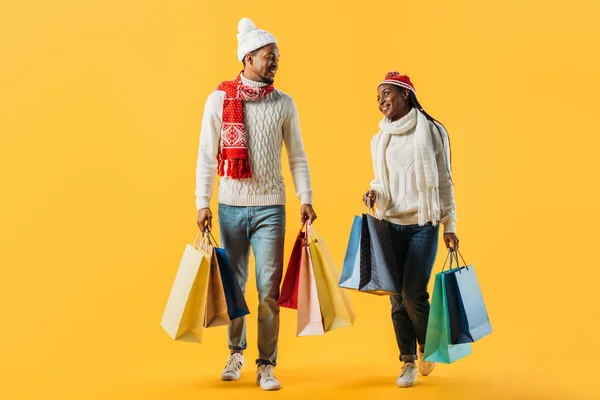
[335,304]
[185,312]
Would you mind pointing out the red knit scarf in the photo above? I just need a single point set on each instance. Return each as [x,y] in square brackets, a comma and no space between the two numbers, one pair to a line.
[233,155]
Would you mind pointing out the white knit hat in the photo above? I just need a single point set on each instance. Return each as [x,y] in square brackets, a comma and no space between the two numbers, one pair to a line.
[251,38]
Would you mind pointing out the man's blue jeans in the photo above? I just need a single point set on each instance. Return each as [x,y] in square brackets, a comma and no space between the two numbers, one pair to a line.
[263,230]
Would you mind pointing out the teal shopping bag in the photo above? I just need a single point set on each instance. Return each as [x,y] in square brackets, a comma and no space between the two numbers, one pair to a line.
[437,341]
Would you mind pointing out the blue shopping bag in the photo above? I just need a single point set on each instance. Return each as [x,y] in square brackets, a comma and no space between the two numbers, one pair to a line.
[469,320]
[234,297]
[379,272]
[438,347]
[350,277]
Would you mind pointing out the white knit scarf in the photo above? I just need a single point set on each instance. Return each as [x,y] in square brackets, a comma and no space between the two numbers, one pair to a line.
[425,165]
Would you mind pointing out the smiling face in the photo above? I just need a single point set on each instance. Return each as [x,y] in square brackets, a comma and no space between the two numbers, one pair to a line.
[393,101]
[262,65]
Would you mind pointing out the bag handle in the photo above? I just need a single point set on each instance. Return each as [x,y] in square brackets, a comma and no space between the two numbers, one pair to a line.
[446,261]
[196,238]
[311,233]
[462,258]
[196,242]
[370,210]
[200,235]
[452,254]
[304,225]
[207,237]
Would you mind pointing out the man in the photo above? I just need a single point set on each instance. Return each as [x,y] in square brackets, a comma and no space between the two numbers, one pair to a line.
[245,123]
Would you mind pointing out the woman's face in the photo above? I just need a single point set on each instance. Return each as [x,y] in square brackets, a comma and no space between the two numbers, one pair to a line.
[393,101]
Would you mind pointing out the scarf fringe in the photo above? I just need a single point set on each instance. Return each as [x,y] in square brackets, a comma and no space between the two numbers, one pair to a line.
[429,206]
[221,167]
[235,168]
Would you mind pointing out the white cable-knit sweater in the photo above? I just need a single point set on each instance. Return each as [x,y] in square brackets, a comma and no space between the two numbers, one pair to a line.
[400,170]
[270,123]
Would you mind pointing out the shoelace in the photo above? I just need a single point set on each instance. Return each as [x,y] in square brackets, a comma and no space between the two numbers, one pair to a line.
[268,374]
[233,363]
[407,367]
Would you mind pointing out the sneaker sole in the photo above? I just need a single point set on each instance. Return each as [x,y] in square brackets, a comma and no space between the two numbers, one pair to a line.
[271,389]
[267,389]
[405,385]
[427,373]
[229,378]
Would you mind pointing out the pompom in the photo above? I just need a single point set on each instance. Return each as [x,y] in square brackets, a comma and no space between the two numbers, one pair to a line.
[245,25]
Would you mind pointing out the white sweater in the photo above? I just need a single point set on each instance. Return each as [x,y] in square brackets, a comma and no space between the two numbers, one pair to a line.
[400,167]
[270,123]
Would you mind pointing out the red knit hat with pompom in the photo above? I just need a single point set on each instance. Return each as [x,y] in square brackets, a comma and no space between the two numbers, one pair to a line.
[394,78]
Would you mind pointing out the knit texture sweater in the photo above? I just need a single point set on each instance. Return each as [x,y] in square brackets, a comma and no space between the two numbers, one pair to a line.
[270,123]
[400,168]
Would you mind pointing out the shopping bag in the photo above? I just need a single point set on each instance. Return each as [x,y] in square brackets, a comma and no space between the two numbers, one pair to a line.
[469,320]
[216,303]
[437,341]
[350,277]
[183,318]
[335,304]
[289,289]
[234,297]
[236,303]
[379,272]
[309,318]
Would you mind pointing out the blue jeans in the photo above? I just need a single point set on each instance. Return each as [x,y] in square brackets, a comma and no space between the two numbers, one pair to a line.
[415,248]
[263,230]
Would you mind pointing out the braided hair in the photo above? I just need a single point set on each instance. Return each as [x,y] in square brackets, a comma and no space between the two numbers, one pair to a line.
[415,103]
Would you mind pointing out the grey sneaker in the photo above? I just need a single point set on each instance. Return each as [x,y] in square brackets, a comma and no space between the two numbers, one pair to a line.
[233,369]
[266,378]
[409,374]
[425,367]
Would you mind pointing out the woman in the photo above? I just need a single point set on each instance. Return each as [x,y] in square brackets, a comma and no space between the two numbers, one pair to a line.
[413,191]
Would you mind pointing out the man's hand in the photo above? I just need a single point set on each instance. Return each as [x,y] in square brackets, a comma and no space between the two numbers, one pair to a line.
[307,212]
[204,219]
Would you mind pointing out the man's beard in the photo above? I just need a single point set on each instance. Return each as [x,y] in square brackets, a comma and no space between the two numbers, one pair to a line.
[268,81]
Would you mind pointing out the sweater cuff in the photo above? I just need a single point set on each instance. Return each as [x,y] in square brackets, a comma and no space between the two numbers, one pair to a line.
[305,197]
[450,227]
[202,202]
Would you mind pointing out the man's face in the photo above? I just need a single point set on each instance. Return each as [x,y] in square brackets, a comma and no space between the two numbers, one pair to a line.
[265,63]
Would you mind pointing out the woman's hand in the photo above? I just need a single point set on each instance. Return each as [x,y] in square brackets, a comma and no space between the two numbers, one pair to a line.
[369,198]
[451,240]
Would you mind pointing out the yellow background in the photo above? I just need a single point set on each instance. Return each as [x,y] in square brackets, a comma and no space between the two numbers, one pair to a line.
[101,104]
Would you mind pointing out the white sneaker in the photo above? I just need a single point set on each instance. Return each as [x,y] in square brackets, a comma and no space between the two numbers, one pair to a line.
[266,379]
[233,369]
[425,367]
[409,374]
